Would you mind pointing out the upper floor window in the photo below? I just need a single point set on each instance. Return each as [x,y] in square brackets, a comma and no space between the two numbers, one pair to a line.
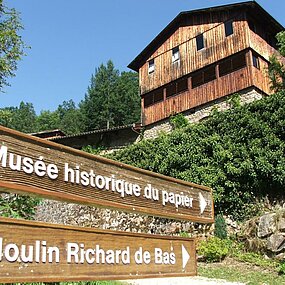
[176,87]
[255,61]
[203,76]
[200,42]
[175,54]
[229,29]
[232,63]
[151,66]
[153,97]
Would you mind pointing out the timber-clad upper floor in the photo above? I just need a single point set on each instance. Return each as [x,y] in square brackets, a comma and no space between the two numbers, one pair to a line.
[199,38]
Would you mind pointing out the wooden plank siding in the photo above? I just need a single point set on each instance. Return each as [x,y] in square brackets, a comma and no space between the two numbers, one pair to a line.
[222,86]
[217,46]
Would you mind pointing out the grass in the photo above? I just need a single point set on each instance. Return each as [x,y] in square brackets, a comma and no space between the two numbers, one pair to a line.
[237,271]
[242,266]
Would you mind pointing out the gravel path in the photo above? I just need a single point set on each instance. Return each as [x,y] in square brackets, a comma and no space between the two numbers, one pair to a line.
[181,281]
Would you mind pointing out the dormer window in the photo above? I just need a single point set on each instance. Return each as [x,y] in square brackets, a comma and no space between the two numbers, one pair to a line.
[151,66]
[229,29]
[175,55]
[200,42]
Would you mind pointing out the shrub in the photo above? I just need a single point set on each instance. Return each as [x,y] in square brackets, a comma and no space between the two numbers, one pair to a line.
[220,227]
[214,249]
[239,153]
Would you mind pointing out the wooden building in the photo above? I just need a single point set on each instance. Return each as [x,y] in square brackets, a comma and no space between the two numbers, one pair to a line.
[203,56]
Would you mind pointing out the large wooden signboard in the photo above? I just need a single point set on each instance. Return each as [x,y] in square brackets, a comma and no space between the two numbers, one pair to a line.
[39,252]
[32,165]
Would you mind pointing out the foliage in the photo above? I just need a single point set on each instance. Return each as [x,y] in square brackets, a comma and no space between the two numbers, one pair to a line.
[93,150]
[255,259]
[16,206]
[112,98]
[239,153]
[240,273]
[281,268]
[276,68]
[214,249]
[22,118]
[11,44]
[179,121]
[71,120]
[220,227]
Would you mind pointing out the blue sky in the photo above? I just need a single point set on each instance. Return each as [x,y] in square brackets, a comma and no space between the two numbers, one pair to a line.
[70,38]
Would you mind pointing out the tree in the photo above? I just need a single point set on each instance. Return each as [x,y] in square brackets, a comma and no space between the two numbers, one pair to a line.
[24,118]
[276,68]
[47,120]
[11,44]
[112,98]
[71,121]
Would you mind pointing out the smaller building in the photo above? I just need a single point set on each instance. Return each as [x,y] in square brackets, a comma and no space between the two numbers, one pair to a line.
[50,134]
[107,139]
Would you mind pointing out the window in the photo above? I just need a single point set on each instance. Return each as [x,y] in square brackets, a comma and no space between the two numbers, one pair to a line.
[255,61]
[153,97]
[232,63]
[151,66]
[176,87]
[175,54]
[229,29]
[158,95]
[200,42]
[203,76]
[182,85]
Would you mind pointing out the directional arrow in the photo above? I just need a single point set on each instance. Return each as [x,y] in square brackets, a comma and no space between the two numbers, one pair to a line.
[203,203]
[185,256]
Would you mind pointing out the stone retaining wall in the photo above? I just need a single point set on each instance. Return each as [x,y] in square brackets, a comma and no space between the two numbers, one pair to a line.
[78,215]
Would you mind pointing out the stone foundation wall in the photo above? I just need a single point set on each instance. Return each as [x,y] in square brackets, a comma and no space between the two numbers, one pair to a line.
[78,215]
[201,112]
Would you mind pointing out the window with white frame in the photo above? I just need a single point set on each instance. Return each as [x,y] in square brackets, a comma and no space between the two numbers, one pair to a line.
[151,66]
[175,54]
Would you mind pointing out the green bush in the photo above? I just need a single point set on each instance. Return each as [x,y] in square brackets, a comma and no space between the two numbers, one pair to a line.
[281,268]
[214,249]
[239,153]
[220,227]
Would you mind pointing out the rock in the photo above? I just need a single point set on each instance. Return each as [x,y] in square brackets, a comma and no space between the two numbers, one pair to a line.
[267,225]
[281,225]
[276,243]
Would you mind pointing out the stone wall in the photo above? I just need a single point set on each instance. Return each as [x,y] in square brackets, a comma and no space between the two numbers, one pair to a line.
[78,215]
[202,112]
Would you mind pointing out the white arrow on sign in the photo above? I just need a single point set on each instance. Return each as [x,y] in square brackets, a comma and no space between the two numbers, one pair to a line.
[185,256]
[203,203]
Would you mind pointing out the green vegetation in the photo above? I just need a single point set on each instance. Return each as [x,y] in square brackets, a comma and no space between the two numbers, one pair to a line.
[11,44]
[112,99]
[18,206]
[220,227]
[214,249]
[240,273]
[239,153]
[276,69]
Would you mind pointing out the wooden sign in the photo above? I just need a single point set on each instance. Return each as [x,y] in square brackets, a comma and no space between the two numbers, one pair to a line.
[39,252]
[36,166]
